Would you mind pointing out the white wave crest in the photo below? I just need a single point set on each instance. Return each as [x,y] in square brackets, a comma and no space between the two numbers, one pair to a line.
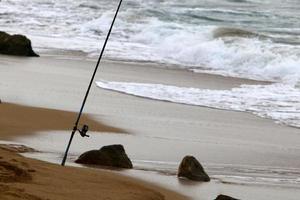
[276,101]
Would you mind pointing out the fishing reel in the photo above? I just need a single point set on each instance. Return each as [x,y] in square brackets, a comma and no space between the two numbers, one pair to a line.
[84,130]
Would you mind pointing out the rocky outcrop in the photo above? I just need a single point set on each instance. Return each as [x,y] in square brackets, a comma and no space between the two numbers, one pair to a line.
[18,45]
[111,156]
[224,197]
[190,168]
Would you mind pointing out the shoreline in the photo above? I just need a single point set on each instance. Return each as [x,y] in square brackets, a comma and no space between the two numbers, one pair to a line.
[25,178]
[78,55]
[215,136]
[32,177]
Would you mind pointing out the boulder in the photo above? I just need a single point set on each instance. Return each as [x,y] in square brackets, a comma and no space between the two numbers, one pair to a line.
[18,45]
[111,156]
[224,197]
[191,168]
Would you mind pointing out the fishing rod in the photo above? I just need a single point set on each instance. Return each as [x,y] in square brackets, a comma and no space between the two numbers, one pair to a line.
[85,128]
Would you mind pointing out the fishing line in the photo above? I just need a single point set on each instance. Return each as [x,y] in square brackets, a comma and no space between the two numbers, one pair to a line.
[85,128]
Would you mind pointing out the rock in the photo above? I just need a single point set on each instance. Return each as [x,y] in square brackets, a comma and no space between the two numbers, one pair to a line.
[191,168]
[17,45]
[111,156]
[224,197]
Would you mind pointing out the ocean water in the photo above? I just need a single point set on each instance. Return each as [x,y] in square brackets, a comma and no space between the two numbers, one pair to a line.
[244,38]
[257,39]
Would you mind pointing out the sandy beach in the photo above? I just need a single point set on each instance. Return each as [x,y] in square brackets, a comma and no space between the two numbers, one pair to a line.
[244,154]
[212,81]
[24,178]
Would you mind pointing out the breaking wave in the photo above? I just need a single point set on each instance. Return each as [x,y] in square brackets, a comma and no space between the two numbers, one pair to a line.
[243,38]
[234,32]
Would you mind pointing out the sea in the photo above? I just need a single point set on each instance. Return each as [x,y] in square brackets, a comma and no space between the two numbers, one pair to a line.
[253,39]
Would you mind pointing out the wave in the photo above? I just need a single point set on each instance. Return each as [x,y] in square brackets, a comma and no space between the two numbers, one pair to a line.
[247,57]
[89,5]
[235,32]
[226,51]
[279,102]
[212,19]
[239,1]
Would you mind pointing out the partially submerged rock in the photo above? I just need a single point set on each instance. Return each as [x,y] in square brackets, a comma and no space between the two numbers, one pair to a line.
[18,45]
[191,168]
[224,197]
[111,156]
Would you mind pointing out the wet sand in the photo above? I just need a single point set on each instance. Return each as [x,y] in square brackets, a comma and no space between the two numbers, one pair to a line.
[233,146]
[17,120]
[24,178]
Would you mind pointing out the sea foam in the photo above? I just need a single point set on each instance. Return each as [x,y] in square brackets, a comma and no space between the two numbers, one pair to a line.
[276,101]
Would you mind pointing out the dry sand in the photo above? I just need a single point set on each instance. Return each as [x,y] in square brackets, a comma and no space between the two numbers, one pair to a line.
[25,178]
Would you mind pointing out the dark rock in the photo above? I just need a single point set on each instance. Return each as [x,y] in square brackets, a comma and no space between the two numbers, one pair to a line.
[18,45]
[111,156]
[191,168]
[224,197]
